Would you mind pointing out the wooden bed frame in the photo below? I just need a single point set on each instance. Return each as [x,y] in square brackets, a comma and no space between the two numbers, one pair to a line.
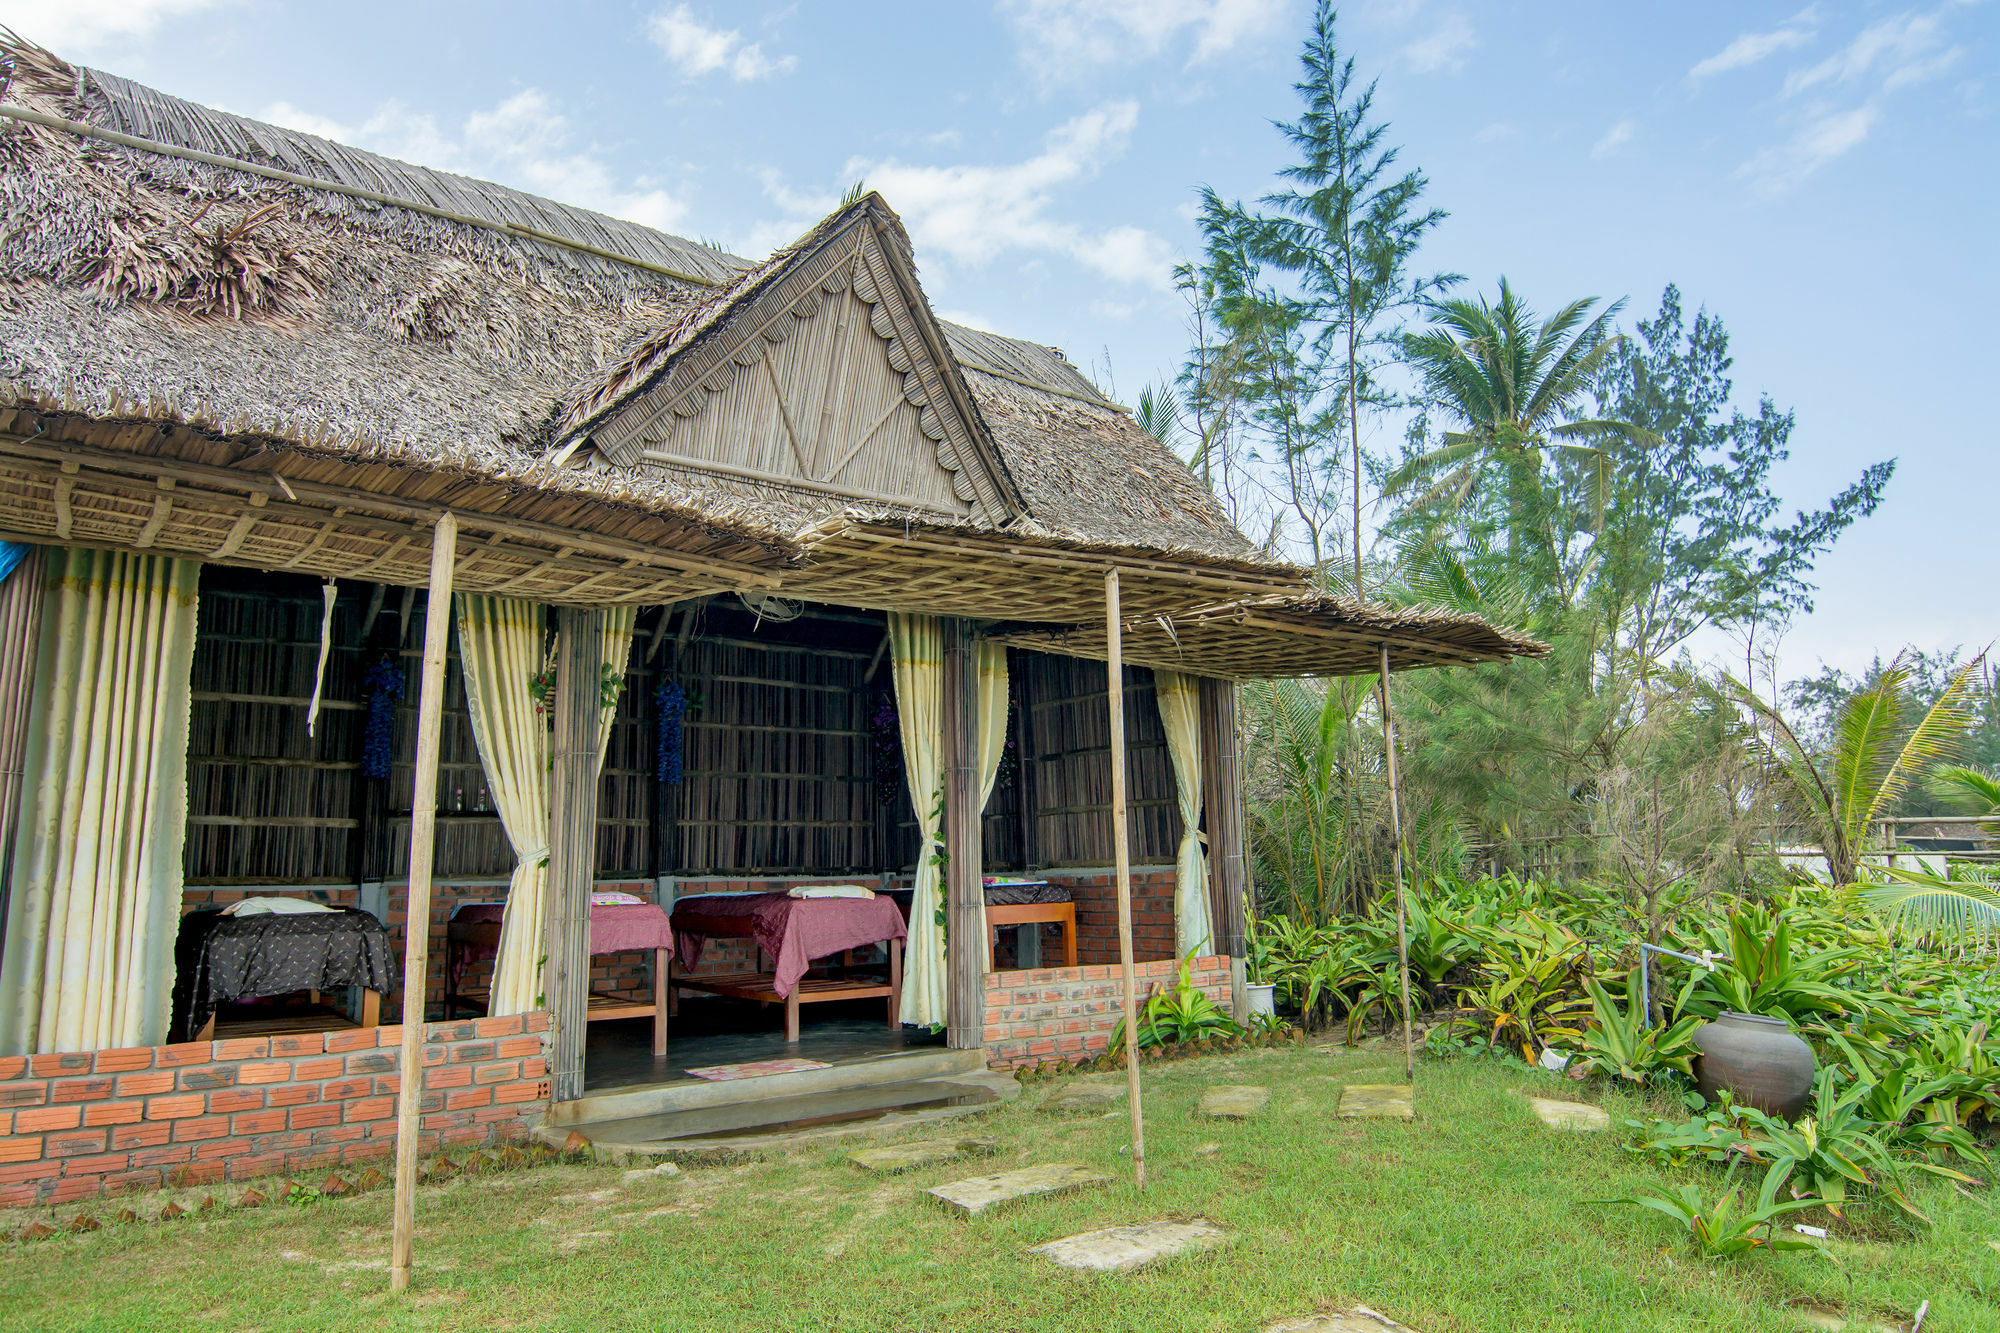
[761,986]
[371,1016]
[596,1005]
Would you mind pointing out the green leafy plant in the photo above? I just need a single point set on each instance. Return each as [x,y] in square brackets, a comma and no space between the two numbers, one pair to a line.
[1182,1012]
[1525,996]
[1726,1229]
[1617,1043]
[1760,972]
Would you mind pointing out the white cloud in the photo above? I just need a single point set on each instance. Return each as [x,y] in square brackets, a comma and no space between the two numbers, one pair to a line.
[1751,47]
[1614,138]
[695,49]
[1444,48]
[1906,49]
[1825,136]
[1495,132]
[1062,38]
[1888,55]
[973,214]
[79,27]
[524,142]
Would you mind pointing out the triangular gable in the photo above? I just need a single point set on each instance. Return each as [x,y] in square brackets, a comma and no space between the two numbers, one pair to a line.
[828,374]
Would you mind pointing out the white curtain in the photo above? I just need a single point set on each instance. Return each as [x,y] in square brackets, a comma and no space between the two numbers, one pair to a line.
[501,648]
[96,884]
[1179,696]
[991,741]
[916,658]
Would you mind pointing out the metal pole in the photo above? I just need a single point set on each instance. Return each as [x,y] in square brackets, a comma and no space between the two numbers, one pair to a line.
[1396,858]
[417,909]
[1120,843]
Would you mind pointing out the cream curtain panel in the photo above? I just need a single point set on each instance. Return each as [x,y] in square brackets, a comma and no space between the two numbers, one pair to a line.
[96,883]
[916,659]
[990,742]
[1179,696]
[501,648]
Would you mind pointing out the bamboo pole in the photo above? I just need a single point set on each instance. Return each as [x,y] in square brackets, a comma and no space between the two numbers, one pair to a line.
[417,912]
[1396,859]
[1120,842]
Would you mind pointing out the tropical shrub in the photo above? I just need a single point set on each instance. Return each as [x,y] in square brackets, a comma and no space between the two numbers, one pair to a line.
[1618,1044]
[1725,1229]
[1182,1012]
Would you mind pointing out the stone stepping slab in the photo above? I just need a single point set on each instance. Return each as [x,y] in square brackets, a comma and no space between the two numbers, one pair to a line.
[910,1156]
[1086,1099]
[1360,1319]
[1573,1117]
[1119,1249]
[1234,1101]
[1377,1101]
[974,1196]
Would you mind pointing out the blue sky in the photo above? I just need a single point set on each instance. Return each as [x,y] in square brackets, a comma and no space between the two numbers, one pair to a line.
[1826,179]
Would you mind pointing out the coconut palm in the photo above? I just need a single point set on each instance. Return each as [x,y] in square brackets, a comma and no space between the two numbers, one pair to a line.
[1882,743]
[1976,791]
[1513,384]
[1966,905]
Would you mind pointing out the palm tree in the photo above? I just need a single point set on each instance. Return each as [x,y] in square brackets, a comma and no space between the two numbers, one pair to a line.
[1513,384]
[1877,752]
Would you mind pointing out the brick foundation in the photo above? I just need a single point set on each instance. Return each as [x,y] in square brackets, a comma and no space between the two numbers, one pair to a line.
[141,1118]
[1069,1012]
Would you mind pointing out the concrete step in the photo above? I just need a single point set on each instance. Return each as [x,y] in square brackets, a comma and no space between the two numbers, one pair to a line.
[766,1120]
[654,1099]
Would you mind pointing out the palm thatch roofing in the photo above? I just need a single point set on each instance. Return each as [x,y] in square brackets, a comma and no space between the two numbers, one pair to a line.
[253,345]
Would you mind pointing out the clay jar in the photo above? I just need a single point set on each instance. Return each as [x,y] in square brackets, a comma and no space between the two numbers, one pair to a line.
[1759,1059]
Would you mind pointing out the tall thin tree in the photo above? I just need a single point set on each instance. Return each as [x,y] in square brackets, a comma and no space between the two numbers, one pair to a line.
[1347,228]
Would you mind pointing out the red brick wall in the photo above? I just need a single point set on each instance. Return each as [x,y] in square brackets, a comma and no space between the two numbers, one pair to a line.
[145,1117]
[1096,894]
[1069,1012]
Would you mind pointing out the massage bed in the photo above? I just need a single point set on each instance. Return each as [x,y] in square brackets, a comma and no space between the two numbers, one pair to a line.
[473,933]
[220,958]
[792,932]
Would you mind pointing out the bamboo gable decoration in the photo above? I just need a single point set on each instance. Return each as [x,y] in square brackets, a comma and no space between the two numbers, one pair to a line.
[821,370]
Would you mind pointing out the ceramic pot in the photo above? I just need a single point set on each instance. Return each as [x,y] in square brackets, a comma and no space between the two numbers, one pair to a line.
[1263,997]
[1758,1059]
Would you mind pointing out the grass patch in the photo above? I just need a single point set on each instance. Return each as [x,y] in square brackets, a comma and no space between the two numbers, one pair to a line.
[1471,1219]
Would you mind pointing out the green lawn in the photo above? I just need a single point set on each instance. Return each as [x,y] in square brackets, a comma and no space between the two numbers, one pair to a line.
[1471,1218]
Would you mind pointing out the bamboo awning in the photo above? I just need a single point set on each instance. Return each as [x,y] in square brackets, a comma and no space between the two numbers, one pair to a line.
[1285,635]
[150,486]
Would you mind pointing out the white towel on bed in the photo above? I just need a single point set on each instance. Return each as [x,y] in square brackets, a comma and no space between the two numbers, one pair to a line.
[274,907]
[831,891]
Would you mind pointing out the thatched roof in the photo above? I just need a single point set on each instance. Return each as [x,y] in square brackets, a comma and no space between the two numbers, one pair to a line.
[262,308]
[260,304]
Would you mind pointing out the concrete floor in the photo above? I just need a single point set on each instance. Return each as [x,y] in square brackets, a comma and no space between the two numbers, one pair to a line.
[718,1030]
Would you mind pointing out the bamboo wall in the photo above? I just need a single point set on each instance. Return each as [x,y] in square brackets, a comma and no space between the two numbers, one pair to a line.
[779,761]
[1070,748]
[267,803]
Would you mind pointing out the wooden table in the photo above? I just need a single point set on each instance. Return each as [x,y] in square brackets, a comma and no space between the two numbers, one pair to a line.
[1033,915]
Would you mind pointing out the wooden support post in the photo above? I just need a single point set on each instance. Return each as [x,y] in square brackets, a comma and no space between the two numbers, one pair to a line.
[1222,807]
[965,922]
[572,843]
[1121,847]
[1396,860]
[1222,802]
[417,904]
